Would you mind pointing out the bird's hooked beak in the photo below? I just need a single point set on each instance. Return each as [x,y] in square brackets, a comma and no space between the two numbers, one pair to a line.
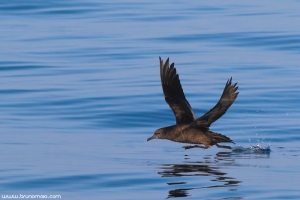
[150,138]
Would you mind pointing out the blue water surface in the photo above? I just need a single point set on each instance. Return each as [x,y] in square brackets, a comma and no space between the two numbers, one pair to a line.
[80,94]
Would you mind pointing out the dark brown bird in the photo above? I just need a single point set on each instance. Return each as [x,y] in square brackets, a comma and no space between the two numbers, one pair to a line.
[188,128]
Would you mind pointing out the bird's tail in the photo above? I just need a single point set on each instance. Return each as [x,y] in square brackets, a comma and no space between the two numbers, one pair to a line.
[217,138]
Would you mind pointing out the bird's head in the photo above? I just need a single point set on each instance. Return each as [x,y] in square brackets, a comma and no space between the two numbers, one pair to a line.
[158,134]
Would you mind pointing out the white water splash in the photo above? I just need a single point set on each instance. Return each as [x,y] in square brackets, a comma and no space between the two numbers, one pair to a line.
[259,148]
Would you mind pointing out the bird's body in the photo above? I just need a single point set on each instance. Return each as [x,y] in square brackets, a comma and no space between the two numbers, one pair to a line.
[188,128]
[193,135]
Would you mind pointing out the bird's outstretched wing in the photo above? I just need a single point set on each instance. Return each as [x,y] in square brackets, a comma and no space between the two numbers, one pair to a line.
[228,97]
[174,95]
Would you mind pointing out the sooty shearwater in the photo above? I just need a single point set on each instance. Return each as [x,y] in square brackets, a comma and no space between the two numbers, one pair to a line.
[188,128]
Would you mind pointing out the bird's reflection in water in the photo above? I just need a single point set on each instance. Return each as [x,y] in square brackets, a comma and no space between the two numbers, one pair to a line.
[210,166]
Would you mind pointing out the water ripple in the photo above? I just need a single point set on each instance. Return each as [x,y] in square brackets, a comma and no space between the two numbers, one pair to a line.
[267,40]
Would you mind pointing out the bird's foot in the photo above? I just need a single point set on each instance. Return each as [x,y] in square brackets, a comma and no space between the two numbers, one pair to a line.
[223,146]
[194,146]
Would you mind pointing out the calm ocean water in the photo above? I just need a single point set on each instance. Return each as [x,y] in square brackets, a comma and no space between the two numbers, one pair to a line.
[80,94]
